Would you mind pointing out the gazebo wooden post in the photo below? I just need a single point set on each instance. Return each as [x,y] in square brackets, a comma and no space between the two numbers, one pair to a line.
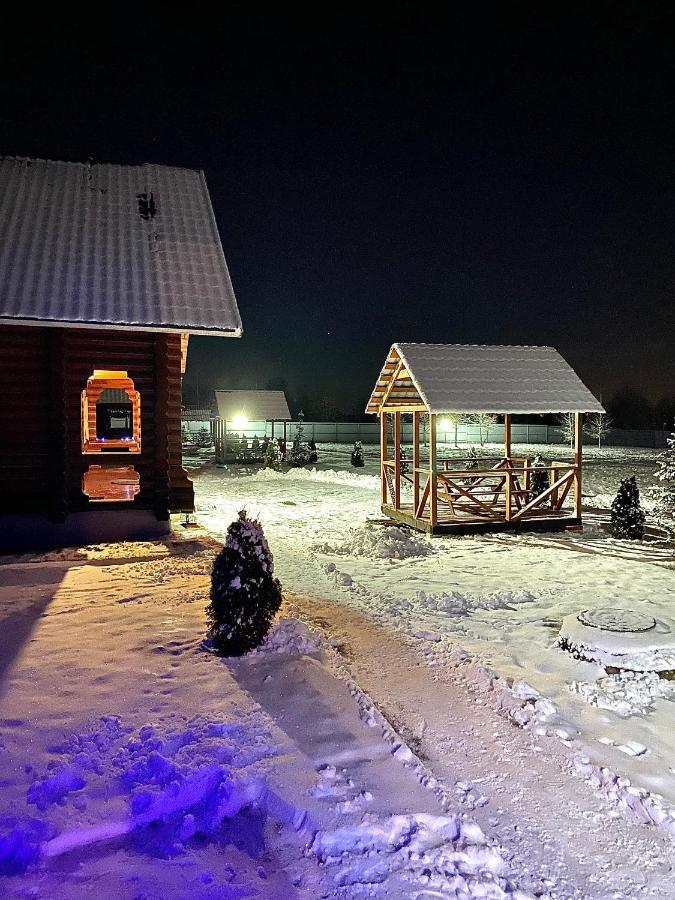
[383,457]
[397,460]
[416,460]
[508,482]
[433,480]
[578,441]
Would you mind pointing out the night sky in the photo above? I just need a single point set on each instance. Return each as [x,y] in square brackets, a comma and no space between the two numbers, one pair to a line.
[504,176]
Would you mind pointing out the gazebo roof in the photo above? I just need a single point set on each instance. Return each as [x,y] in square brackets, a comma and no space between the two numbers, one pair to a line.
[256,406]
[109,246]
[470,378]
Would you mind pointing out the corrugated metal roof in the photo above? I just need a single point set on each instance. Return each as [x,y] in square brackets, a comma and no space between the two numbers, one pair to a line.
[111,246]
[476,378]
[256,406]
[196,415]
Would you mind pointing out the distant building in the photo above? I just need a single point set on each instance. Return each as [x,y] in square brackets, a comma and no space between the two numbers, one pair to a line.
[105,270]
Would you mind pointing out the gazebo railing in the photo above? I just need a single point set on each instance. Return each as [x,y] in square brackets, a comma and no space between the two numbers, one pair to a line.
[502,492]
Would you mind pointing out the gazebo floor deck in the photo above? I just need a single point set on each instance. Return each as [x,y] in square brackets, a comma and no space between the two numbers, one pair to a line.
[466,523]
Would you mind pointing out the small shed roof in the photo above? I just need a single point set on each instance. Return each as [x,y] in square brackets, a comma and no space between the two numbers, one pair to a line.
[111,246]
[447,378]
[256,406]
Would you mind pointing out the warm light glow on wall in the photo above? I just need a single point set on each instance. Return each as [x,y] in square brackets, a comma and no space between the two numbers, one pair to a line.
[446,424]
[239,421]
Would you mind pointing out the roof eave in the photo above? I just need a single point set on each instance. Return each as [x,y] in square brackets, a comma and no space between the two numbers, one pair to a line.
[236,331]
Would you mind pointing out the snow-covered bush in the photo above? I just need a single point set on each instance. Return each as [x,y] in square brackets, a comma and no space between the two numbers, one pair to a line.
[203,438]
[628,519]
[245,595]
[299,454]
[357,455]
[272,458]
[664,493]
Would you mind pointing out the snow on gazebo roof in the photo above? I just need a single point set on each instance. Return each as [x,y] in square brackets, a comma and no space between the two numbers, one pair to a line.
[447,378]
[111,246]
[255,406]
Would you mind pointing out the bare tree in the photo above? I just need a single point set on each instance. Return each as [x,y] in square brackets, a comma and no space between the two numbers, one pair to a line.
[598,426]
[484,421]
[566,424]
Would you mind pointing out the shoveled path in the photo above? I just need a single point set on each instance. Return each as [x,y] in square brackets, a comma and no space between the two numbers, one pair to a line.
[563,838]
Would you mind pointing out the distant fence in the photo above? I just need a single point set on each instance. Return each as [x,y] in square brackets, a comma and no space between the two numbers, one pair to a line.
[369,433]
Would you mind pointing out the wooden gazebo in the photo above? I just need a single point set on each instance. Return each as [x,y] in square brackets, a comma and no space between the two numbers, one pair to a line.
[439,495]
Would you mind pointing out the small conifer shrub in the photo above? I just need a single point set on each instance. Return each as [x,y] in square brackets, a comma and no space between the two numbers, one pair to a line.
[627,519]
[539,476]
[245,595]
[272,457]
[357,455]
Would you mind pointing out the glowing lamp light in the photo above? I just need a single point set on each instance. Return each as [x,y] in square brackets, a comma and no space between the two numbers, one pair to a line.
[447,424]
[240,421]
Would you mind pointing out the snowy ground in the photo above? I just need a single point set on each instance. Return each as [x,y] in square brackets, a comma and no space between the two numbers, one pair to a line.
[135,764]
[391,723]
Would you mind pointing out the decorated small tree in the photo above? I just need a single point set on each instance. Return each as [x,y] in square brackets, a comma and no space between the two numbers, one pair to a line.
[255,445]
[471,462]
[539,476]
[299,453]
[664,492]
[357,455]
[272,457]
[628,519]
[245,595]
[203,438]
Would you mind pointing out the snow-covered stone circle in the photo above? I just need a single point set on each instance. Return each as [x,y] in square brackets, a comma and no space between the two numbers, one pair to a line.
[624,639]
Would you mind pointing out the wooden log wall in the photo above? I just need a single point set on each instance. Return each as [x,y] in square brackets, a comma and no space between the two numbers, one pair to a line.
[43,372]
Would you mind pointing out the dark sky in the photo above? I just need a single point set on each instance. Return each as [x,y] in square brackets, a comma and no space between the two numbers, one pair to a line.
[499,176]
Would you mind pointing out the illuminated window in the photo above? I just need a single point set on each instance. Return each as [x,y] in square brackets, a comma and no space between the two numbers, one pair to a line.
[105,484]
[111,414]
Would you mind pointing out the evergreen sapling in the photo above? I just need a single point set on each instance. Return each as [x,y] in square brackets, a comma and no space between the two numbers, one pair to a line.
[357,455]
[272,457]
[245,595]
[664,493]
[539,477]
[627,519]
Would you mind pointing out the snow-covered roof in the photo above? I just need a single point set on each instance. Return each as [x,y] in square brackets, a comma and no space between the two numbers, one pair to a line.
[99,245]
[446,378]
[196,415]
[256,406]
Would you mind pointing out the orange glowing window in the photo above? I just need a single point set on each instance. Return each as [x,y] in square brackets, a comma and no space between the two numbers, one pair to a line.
[111,483]
[111,414]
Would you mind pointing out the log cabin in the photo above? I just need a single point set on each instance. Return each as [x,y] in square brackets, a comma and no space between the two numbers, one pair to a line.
[437,492]
[105,271]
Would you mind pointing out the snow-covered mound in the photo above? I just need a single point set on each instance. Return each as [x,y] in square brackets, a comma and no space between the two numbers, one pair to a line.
[184,782]
[451,858]
[378,543]
[625,693]
[291,637]
[614,640]
[457,604]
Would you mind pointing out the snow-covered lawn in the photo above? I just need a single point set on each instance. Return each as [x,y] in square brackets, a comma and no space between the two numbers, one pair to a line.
[423,738]
[135,764]
[501,598]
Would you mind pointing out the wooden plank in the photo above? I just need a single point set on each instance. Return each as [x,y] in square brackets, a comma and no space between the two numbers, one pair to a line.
[578,443]
[383,457]
[507,436]
[416,459]
[397,460]
[419,510]
[474,500]
[433,478]
[537,500]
